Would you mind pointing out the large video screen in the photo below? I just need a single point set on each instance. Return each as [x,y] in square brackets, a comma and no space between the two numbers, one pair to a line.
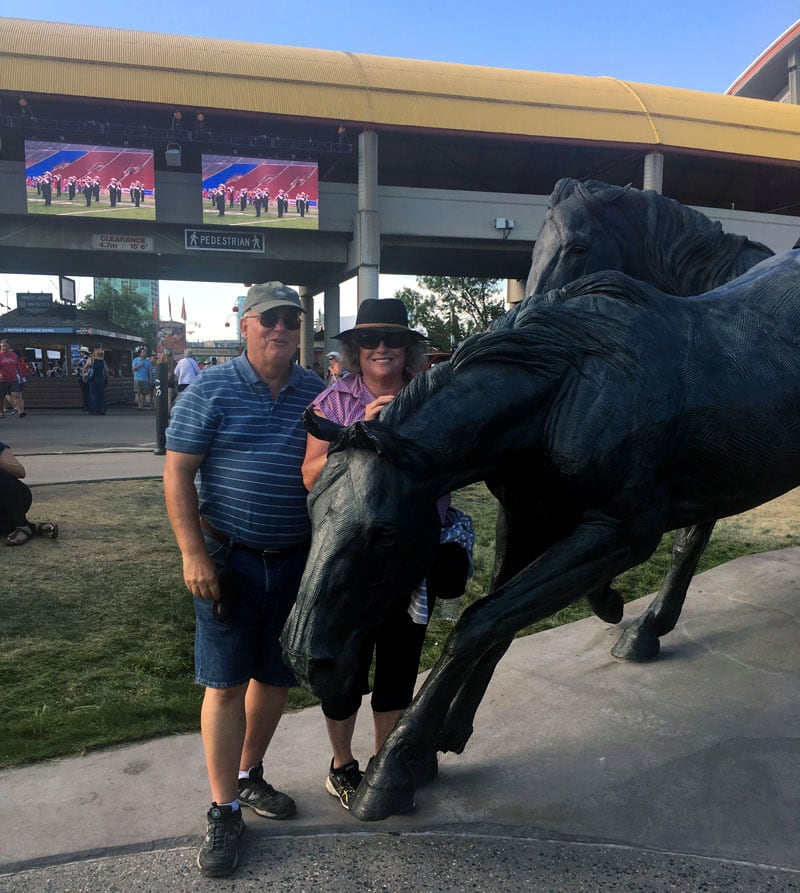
[260,192]
[91,181]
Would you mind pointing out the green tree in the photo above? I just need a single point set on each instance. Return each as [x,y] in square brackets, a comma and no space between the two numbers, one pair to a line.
[452,307]
[123,306]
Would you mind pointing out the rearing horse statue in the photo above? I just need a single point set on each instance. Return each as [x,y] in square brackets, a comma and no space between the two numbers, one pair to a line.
[608,415]
[591,226]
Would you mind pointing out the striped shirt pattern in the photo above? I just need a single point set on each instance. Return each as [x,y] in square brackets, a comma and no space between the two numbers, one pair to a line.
[249,484]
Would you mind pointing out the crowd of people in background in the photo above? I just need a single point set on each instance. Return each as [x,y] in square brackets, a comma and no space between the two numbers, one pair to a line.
[257,200]
[52,185]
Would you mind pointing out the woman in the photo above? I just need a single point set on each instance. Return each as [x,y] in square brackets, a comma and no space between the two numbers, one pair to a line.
[382,354]
[95,375]
[15,500]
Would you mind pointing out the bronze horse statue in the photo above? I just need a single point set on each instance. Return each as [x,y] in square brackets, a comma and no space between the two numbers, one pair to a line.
[609,414]
[591,226]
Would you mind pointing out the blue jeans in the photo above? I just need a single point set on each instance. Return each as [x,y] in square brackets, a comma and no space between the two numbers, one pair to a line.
[246,646]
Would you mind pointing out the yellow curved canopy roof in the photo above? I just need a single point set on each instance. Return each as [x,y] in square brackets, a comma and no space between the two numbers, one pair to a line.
[137,66]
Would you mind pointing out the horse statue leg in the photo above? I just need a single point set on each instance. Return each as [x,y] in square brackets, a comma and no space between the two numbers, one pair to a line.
[514,551]
[607,604]
[596,549]
[640,642]
[457,726]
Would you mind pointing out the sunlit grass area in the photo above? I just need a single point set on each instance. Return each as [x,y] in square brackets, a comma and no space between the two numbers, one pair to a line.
[97,634]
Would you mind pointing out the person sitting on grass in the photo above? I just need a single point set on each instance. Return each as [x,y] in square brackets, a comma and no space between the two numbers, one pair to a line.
[15,500]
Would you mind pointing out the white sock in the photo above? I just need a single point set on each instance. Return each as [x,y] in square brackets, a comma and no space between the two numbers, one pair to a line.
[234,804]
[244,773]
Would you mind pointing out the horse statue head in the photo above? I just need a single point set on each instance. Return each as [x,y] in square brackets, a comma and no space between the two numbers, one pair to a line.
[591,226]
[365,554]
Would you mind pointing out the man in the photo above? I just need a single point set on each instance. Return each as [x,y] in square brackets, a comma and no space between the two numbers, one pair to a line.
[335,367]
[142,369]
[10,377]
[243,535]
[186,370]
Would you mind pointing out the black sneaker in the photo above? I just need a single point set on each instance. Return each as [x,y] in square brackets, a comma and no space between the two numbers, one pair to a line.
[219,854]
[342,782]
[263,798]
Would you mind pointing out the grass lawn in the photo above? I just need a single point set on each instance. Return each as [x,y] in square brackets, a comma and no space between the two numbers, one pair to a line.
[125,210]
[234,217]
[97,632]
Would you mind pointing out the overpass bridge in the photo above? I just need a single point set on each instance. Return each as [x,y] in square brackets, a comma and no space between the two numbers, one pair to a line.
[424,168]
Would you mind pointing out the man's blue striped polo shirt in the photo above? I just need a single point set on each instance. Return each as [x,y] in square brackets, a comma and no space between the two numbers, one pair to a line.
[249,484]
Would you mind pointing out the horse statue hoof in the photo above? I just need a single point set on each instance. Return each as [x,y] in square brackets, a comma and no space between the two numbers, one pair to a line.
[638,643]
[373,802]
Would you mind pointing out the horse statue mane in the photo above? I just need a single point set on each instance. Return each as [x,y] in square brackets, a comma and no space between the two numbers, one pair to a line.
[546,339]
[687,253]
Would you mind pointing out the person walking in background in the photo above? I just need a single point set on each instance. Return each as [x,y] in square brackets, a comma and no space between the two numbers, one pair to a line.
[186,369]
[172,382]
[95,374]
[335,367]
[10,375]
[236,501]
[153,378]
[142,369]
[84,385]
[24,373]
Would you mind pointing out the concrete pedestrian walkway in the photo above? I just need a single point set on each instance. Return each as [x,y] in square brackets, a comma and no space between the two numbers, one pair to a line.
[103,465]
[583,774]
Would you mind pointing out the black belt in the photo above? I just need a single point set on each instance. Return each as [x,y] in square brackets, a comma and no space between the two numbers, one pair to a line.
[220,537]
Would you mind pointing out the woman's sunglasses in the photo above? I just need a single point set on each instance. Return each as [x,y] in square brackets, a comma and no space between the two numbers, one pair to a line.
[291,318]
[393,340]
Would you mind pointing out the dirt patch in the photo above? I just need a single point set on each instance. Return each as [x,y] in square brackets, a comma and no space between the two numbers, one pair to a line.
[779,517]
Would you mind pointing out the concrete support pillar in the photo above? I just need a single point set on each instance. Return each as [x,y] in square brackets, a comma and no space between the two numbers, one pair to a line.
[367,228]
[515,291]
[654,172]
[307,328]
[794,80]
[332,317]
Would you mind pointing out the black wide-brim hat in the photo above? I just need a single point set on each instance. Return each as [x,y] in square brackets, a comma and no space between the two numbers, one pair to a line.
[388,315]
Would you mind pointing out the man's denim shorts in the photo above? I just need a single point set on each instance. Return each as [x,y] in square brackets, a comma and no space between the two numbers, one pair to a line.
[246,645]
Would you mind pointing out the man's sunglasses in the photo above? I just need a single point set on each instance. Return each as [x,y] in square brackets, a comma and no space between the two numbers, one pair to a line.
[291,318]
[393,340]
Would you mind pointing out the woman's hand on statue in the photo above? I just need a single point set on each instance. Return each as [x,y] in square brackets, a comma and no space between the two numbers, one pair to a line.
[373,410]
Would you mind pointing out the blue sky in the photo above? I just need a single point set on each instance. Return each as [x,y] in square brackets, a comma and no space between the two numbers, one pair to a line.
[700,45]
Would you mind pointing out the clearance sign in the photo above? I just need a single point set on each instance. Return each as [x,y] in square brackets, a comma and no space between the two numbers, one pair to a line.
[121,242]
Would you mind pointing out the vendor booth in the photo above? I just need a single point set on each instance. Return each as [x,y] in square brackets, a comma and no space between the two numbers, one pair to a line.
[49,335]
